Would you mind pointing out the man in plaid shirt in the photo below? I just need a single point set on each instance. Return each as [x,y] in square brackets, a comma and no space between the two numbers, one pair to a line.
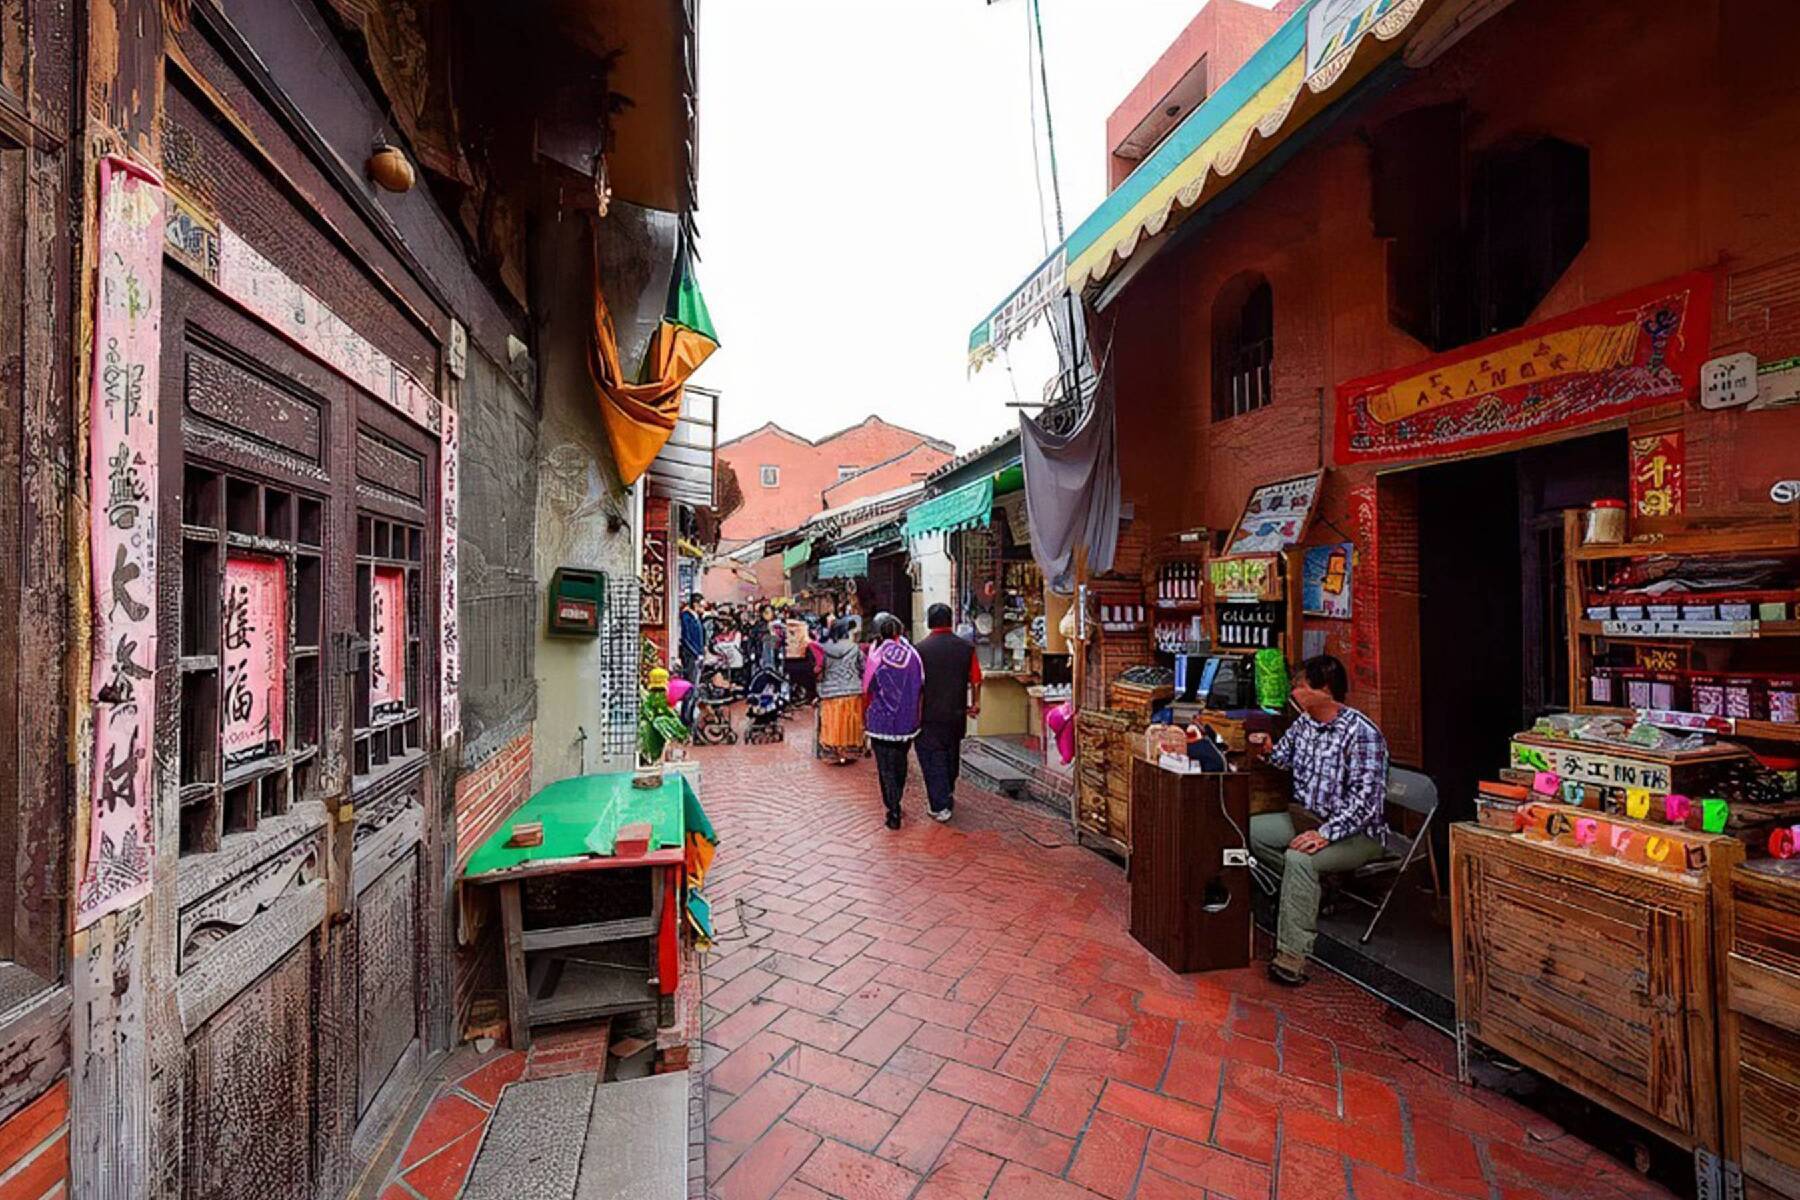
[1340,765]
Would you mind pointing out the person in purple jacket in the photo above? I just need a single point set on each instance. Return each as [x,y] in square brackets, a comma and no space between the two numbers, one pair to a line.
[894,688]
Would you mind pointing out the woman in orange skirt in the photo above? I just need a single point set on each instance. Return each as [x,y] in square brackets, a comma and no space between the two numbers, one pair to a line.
[840,695]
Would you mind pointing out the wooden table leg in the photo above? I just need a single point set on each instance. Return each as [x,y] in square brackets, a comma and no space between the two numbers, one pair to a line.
[518,999]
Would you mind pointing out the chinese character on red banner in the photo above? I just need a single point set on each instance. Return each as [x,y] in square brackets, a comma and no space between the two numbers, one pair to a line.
[387,643]
[254,636]
[1656,486]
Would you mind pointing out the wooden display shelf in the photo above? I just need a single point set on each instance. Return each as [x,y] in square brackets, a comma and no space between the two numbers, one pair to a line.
[1764,629]
[1769,731]
[1771,535]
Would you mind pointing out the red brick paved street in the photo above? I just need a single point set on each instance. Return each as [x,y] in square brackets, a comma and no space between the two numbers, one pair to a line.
[956,1012]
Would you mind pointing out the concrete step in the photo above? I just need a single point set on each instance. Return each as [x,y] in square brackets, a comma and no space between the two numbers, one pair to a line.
[637,1141]
[534,1140]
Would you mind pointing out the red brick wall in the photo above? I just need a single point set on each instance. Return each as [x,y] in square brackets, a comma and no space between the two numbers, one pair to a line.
[1685,154]
[807,469]
[490,793]
[1226,32]
[34,1148]
[910,467]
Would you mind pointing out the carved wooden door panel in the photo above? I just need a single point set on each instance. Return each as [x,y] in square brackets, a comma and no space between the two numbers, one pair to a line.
[254,487]
[248,1092]
[393,687]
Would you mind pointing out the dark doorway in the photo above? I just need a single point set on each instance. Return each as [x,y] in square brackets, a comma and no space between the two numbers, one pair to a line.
[1493,638]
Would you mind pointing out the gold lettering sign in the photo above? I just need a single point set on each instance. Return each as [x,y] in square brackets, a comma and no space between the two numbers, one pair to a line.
[1583,349]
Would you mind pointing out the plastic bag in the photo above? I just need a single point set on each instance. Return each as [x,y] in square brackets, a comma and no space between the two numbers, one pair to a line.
[1271,680]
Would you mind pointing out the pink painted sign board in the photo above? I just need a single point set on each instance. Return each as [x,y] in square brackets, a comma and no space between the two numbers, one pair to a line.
[387,642]
[253,635]
[122,497]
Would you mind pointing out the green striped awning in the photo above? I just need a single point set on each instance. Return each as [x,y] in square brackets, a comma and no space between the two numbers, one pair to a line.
[966,507]
[799,554]
[852,564]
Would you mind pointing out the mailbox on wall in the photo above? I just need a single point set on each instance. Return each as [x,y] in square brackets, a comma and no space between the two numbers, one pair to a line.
[576,597]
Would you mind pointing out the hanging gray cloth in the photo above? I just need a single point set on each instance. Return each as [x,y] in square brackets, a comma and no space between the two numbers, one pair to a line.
[1072,491]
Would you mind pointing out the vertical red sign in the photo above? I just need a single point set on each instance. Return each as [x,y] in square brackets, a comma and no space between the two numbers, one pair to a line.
[1657,460]
[253,635]
[387,643]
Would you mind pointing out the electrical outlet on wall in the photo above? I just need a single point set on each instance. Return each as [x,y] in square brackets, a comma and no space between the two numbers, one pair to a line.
[1237,858]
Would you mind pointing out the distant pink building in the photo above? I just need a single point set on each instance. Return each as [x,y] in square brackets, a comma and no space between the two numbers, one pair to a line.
[787,478]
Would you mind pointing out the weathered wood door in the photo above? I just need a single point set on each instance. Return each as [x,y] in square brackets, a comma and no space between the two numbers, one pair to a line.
[299,546]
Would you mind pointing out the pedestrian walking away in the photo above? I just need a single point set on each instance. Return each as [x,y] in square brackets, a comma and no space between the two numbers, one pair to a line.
[893,681]
[951,696]
[840,695]
[693,651]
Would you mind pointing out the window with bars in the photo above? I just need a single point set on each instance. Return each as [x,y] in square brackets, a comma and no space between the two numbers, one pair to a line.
[1243,346]
[252,615]
[389,689]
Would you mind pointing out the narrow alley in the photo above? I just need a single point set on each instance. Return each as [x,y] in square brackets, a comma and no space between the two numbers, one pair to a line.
[958,1012]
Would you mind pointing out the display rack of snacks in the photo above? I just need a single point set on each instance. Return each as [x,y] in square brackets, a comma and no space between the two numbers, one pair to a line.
[1700,628]
[1253,603]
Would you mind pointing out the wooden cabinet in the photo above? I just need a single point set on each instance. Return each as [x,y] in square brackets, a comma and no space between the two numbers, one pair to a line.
[1187,908]
[1760,1047]
[1596,972]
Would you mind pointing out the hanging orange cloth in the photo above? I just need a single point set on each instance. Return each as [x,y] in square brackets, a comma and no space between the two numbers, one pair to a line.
[640,416]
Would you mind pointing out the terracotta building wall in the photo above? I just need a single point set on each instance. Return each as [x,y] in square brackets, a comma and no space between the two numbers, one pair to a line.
[911,467]
[807,469]
[1687,164]
[1226,33]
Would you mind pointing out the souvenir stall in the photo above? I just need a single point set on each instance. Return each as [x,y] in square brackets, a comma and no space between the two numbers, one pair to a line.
[996,594]
[1205,626]
[1610,933]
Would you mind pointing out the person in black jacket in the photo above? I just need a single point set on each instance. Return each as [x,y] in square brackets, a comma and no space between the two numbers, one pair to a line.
[952,695]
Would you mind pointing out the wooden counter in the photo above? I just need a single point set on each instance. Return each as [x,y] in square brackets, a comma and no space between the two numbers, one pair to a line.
[1597,972]
[1760,1026]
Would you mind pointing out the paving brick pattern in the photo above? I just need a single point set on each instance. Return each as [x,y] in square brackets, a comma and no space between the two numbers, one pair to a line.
[954,1012]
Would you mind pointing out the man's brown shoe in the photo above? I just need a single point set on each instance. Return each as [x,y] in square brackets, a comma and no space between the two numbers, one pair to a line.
[1287,969]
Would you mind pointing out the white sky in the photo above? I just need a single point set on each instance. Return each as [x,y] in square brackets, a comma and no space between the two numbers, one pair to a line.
[867,195]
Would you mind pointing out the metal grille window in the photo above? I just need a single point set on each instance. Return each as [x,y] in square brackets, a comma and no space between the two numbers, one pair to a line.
[619,674]
[390,588]
[771,476]
[1243,347]
[251,617]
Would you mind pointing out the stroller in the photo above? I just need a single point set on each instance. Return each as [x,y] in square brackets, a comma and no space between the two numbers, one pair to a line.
[712,708]
[766,701]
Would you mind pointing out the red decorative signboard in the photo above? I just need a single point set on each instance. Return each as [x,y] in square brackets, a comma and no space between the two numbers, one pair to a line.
[1365,619]
[1656,485]
[1595,363]
[387,643]
[254,637]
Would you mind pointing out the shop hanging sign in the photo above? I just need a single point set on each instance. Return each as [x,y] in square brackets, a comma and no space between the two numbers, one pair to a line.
[253,634]
[1587,766]
[1276,515]
[1656,474]
[1728,381]
[122,505]
[1593,364]
[1325,581]
[387,643]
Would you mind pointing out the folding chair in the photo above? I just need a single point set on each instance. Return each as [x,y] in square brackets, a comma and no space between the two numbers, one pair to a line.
[1415,793]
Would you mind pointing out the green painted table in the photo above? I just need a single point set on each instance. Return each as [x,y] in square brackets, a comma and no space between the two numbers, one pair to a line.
[547,978]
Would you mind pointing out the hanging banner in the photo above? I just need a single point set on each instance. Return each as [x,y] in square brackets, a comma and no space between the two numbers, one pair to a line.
[122,498]
[1656,483]
[449,579]
[253,634]
[1365,620]
[1645,347]
[387,643]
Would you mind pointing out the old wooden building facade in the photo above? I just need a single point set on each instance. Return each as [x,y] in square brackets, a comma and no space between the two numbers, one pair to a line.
[279,363]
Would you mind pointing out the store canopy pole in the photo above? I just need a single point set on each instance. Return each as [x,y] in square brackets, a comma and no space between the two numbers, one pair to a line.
[1072,491]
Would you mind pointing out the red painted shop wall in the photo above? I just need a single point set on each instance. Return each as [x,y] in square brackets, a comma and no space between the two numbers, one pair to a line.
[34,1147]
[1682,110]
